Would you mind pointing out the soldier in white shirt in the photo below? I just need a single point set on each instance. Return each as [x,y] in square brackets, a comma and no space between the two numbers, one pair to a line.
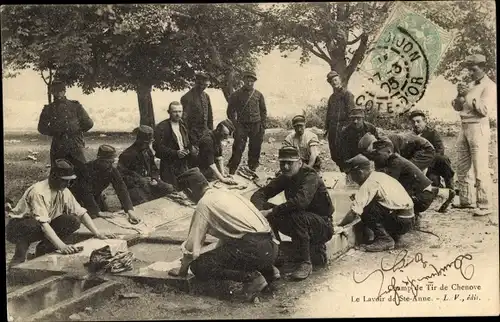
[305,141]
[476,105]
[382,203]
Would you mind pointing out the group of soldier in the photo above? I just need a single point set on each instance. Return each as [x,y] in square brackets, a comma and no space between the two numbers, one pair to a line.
[407,175]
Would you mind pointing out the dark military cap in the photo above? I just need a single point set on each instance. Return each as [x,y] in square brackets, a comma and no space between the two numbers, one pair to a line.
[298,119]
[201,75]
[381,145]
[228,124]
[416,113]
[288,153]
[192,179]
[331,75]
[358,162]
[107,152]
[357,112]
[250,74]
[57,86]
[475,59]
[144,133]
[63,169]
[366,140]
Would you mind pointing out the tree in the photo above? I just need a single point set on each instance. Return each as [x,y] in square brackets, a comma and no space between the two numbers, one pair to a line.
[474,25]
[327,30]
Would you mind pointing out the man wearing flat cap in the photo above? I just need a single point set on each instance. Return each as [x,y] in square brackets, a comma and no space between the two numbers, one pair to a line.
[139,171]
[248,112]
[49,213]
[415,148]
[305,141]
[246,249]
[340,104]
[100,173]
[172,145]
[352,133]
[306,216]
[441,165]
[65,121]
[382,204]
[477,103]
[197,109]
[210,159]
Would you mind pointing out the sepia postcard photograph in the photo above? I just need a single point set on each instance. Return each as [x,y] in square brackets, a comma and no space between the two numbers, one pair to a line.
[282,160]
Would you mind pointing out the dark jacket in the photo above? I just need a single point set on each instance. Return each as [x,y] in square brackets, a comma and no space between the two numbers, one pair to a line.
[89,188]
[166,147]
[66,121]
[414,148]
[349,138]
[254,111]
[197,113]
[210,149]
[305,191]
[339,107]
[135,164]
[407,173]
[434,138]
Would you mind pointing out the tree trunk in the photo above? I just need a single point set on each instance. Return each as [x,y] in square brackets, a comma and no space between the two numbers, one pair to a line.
[145,104]
[228,87]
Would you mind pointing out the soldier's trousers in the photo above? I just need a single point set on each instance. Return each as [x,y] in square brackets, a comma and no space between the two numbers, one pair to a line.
[395,222]
[71,150]
[254,133]
[148,192]
[441,168]
[472,152]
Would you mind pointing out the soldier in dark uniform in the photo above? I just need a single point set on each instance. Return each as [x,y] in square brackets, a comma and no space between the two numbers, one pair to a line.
[138,168]
[247,110]
[66,121]
[100,174]
[351,134]
[340,104]
[197,109]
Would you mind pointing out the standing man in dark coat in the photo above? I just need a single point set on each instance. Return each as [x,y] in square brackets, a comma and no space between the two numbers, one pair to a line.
[172,145]
[351,134]
[197,109]
[441,166]
[340,104]
[306,216]
[66,121]
[247,110]
[100,174]
[138,168]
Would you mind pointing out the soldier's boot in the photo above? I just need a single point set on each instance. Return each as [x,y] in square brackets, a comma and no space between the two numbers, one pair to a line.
[19,254]
[302,271]
[449,200]
[318,255]
[254,284]
[383,241]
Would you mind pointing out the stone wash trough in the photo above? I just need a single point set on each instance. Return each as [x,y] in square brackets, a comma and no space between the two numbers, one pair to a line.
[53,286]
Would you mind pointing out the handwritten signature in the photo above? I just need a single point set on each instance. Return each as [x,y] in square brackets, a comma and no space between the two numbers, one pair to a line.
[402,261]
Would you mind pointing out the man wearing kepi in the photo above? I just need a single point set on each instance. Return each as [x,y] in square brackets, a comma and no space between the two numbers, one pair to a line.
[306,216]
[381,202]
[476,105]
[248,112]
[246,249]
[66,121]
[138,168]
[172,145]
[100,173]
[340,104]
[305,141]
[197,113]
[49,213]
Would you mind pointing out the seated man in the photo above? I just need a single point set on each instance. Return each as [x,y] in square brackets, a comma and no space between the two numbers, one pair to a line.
[352,133]
[306,216]
[210,160]
[410,146]
[172,145]
[246,249]
[99,175]
[49,213]
[441,166]
[305,141]
[139,171]
[382,204]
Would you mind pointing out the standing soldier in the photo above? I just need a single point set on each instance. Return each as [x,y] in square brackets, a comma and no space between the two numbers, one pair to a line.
[247,110]
[475,104]
[340,103]
[66,121]
[197,109]
[305,141]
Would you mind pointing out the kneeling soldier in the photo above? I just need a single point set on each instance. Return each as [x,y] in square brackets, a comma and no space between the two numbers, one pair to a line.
[306,216]
[246,250]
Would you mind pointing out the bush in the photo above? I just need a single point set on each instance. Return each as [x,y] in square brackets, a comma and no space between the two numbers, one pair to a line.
[273,122]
